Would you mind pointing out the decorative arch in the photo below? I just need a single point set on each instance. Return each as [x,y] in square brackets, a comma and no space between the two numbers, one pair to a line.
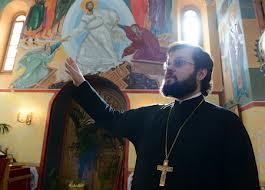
[7,17]
[184,14]
[54,143]
[13,41]
[203,7]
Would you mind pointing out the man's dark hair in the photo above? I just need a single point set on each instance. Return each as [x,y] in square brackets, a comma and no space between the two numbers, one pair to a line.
[201,59]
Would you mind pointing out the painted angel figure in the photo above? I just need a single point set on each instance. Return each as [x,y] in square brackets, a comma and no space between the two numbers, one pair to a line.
[35,65]
[144,44]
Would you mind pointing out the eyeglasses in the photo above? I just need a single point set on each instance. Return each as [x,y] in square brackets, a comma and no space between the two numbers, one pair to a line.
[177,63]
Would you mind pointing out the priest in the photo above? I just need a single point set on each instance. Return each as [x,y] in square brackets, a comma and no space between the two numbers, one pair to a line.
[190,144]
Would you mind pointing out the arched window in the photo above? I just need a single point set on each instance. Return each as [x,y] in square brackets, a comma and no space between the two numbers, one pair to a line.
[191,27]
[11,50]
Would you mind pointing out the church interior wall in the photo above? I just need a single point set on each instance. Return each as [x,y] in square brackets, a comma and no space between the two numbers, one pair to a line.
[252,35]
[26,142]
[252,110]
[200,5]
[254,120]
[210,39]
[7,15]
[215,48]
[233,52]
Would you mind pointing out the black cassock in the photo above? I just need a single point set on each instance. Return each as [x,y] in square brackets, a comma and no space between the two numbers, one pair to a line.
[213,151]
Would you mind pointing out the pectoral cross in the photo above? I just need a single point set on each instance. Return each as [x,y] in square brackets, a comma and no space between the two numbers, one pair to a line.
[164,169]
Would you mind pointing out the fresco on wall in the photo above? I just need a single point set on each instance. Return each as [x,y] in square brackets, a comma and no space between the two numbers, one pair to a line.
[233,52]
[44,20]
[122,40]
[35,66]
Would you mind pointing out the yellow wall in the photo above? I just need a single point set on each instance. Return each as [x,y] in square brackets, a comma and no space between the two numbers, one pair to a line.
[254,121]
[251,33]
[215,48]
[144,99]
[24,142]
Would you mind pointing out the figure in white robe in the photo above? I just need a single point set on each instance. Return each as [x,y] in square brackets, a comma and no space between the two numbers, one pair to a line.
[102,47]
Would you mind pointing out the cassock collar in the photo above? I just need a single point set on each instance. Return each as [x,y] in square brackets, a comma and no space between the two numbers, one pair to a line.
[189,98]
[189,103]
[183,109]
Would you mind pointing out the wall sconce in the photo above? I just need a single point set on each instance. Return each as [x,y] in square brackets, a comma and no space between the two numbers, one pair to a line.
[24,117]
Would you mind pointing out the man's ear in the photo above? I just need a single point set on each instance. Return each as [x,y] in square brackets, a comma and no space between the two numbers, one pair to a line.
[201,74]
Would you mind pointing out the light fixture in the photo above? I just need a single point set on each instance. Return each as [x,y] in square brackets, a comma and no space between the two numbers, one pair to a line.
[24,117]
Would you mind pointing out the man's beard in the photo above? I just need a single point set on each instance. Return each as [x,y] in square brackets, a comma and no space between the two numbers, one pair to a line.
[180,89]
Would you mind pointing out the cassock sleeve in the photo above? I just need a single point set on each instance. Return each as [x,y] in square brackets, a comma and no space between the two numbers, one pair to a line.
[126,124]
[240,170]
